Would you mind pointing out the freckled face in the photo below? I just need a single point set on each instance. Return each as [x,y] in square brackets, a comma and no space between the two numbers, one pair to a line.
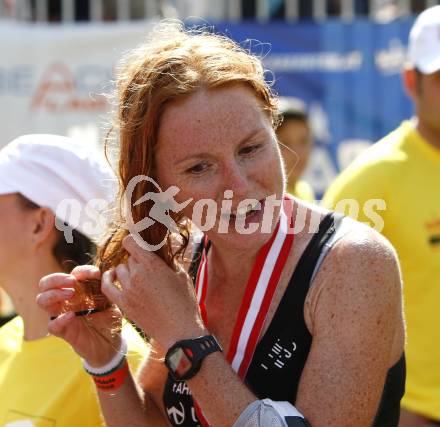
[217,140]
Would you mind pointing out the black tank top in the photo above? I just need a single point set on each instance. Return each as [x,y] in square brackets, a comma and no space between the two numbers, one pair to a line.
[280,356]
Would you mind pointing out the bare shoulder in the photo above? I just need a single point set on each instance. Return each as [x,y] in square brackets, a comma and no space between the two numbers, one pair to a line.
[365,255]
[357,327]
[359,280]
[362,256]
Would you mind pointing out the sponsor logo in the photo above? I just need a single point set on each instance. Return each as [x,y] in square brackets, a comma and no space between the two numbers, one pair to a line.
[279,354]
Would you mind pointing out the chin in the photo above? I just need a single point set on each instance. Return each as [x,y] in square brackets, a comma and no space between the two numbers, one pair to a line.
[249,234]
[236,242]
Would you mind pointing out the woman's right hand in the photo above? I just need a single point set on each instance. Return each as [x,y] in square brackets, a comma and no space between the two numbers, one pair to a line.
[95,337]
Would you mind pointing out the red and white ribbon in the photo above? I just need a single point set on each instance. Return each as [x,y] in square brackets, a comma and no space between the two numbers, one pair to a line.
[258,296]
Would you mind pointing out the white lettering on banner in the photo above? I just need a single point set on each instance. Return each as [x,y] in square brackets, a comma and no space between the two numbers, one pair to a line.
[319,122]
[314,61]
[391,60]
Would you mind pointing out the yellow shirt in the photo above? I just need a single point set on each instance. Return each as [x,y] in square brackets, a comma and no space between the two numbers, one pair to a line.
[403,172]
[43,383]
[302,190]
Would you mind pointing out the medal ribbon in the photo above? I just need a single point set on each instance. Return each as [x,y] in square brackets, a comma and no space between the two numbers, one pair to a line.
[257,298]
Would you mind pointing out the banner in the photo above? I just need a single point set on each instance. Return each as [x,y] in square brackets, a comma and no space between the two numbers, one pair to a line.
[56,78]
[53,79]
[347,73]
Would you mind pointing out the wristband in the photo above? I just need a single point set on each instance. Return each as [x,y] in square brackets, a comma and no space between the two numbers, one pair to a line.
[113,380]
[111,366]
[112,375]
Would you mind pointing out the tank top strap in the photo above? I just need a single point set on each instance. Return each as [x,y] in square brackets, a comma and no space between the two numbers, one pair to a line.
[282,352]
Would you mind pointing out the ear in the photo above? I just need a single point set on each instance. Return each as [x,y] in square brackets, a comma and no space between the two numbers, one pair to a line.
[409,77]
[43,225]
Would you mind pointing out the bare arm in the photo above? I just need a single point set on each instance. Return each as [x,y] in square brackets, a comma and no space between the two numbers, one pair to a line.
[356,321]
[173,314]
[358,335]
[94,340]
[357,332]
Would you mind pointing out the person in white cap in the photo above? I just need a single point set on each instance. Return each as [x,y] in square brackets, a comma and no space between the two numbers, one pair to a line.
[50,190]
[296,138]
[403,171]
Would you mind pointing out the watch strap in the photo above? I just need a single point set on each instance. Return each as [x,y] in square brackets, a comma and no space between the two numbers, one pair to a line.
[195,350]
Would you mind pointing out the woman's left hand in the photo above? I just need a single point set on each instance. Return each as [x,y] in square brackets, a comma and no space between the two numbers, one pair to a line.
[159,300]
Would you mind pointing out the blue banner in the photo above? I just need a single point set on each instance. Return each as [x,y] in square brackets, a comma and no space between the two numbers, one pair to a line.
[347,73]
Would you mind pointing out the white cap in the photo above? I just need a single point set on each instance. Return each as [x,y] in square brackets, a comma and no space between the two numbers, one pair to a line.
[63,174]
[290,104]
[424,41]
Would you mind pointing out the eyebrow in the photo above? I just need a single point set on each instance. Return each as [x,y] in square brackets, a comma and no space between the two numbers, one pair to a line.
[248,137]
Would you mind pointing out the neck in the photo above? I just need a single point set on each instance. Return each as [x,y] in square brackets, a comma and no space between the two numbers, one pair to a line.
[430,134]
[23,290]
[229,268]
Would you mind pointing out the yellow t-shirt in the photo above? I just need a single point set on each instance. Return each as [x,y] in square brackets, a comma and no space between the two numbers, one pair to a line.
[43,383]
[302,190]
[403,172]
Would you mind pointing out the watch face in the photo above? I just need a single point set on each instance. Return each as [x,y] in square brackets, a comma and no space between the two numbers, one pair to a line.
[179,362]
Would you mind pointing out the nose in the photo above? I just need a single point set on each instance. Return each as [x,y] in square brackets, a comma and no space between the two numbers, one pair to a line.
[235,178]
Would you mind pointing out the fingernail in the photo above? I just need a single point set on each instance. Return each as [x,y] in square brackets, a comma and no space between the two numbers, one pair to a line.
[70,278]
[120,268]
[68,292]
[107,276]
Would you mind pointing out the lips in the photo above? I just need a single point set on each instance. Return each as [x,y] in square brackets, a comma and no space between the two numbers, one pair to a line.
[248,210]
[251,214]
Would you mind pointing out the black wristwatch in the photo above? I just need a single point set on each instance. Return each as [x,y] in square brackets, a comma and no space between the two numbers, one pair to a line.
[185,357]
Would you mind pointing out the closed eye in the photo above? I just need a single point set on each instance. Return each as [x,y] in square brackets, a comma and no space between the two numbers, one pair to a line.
[198,169]
[249,149]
